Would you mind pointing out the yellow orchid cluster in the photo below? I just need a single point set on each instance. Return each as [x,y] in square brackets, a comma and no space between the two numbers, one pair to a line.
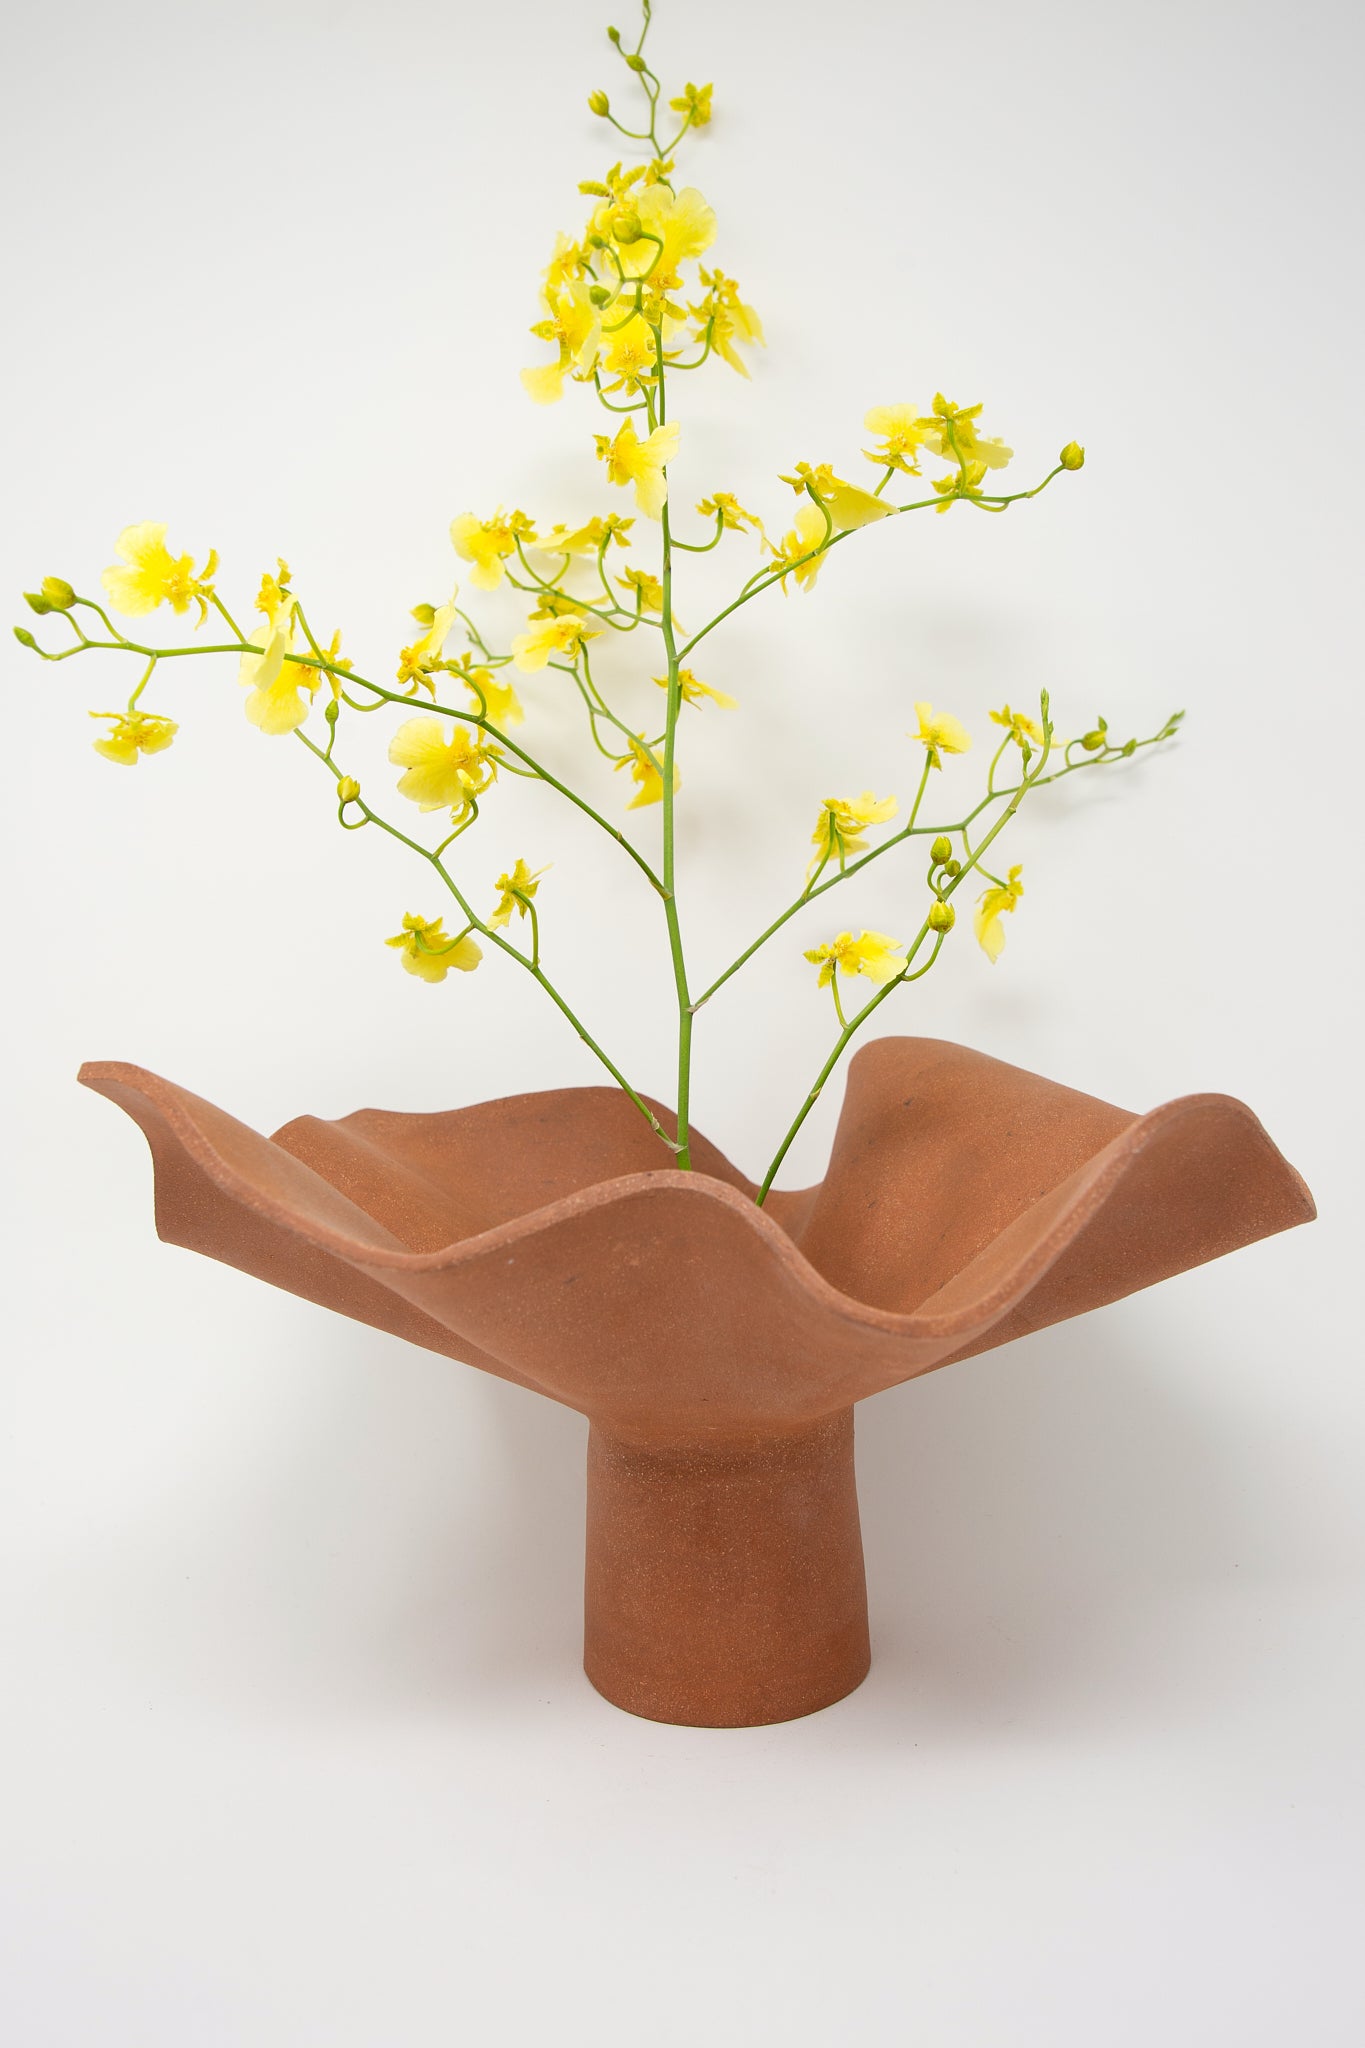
[628,305]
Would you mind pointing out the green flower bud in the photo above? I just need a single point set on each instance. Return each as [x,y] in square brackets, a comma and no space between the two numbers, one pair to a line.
[636,63]
[425,614]
[627,228]
[1072,456]
[348,789]
[952,867]
[599,295]
[58,593]
[1128,747]
[614,36]
[599,104]
[1092,742]
[333,711]
[942,917]
[36,603]
[941,850]
[24,637]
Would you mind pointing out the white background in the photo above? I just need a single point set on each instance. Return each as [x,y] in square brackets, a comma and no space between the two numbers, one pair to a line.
[297,1746]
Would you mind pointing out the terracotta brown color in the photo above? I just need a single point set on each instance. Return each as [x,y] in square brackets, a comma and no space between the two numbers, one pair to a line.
[718,1348]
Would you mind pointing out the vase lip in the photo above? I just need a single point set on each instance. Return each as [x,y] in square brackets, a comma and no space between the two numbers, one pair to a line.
[965,1310]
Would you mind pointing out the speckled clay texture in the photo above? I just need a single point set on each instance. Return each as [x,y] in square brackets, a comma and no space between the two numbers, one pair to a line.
[718,1348]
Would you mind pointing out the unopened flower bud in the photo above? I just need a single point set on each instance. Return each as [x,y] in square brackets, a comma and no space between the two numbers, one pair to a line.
[348,789]
[24,637]
[1072,456]
[598,295]
[626,227]
[1092,742]
[942,917]
[599,104]
[941,850]
[636,63]
[614,35]
[333,711]
[952,867]
[58,593]
[425,614]
[36,602]
[1128,747]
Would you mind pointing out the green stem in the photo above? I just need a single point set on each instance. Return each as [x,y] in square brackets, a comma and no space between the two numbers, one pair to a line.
[905,975]
[832,1062]
[486,931]
[758,584]
[675,943]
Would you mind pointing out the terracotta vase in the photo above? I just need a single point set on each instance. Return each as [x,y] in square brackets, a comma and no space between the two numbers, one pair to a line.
[716,1348]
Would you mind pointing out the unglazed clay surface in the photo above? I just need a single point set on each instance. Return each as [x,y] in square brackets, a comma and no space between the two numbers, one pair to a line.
[718,1348]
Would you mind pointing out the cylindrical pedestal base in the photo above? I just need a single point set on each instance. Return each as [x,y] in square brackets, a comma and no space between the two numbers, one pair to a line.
[725,1583]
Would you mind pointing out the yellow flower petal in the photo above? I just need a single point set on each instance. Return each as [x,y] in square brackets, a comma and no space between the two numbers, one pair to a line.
[941,733]
[441,774]
[429,952]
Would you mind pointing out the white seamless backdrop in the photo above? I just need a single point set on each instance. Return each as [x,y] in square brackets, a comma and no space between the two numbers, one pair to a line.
[297,1746]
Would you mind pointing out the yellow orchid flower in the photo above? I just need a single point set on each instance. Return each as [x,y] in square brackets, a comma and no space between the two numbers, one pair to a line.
[628,356]
[850,506]
[333,655]
[564,634]
[872,954]
[647,589]
[488,542]
[683,222]
[517,889]
[728,319]
[277,704]
[695,102]
[950,432]
[812,478]
[488,696]
[807,535]
[941,734]
[630,460]
[1021,729]
[442,774]
[994,902]
[154,576]
[647,773]
[841,826]
[694,691]
[566,265]
[588,538]
[416,663]
[275,599]
[575,324]
[429,951]
[902,433]
[504,706]
[960,483]
[732,515]
[134,733]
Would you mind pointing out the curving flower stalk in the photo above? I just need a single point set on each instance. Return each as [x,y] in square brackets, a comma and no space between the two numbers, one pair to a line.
[629,305]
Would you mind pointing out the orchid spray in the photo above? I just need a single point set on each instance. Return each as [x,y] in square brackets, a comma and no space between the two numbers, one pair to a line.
[630,306]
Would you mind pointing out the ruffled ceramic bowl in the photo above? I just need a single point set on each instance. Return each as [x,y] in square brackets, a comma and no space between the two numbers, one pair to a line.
[716,1348]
